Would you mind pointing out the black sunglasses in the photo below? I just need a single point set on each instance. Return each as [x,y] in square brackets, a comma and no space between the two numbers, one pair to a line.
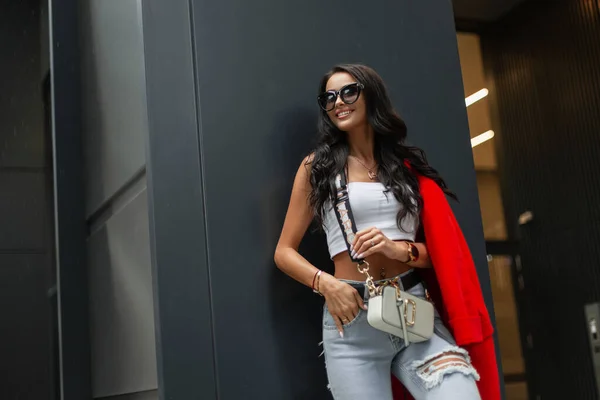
[349,94]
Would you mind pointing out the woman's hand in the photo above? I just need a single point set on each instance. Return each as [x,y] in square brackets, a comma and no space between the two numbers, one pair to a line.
[370,241]
[343,301]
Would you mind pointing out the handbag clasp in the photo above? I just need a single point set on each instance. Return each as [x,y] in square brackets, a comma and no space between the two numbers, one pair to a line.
[406,302]
[414,312]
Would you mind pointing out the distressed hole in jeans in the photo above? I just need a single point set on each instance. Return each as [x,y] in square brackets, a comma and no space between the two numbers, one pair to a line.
[434,368]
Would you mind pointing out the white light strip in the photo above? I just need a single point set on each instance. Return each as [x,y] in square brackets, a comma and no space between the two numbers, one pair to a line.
[476,96]
[484,137]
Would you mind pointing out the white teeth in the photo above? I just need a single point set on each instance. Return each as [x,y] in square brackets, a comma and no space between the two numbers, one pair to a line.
[344,113]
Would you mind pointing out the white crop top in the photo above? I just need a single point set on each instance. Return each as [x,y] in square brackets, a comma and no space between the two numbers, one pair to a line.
[371,207]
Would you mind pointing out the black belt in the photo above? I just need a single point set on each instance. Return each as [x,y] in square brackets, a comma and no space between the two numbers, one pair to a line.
[409,281]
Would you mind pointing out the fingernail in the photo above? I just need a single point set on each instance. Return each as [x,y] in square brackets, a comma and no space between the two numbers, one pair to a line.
[364,305]
[351,248]
[341,334]
[353,254]
[361,255]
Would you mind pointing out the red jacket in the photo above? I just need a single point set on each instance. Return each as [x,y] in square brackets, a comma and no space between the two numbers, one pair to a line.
[454,287]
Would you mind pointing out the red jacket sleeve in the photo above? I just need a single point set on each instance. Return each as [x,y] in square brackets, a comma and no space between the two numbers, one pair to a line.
[453,265]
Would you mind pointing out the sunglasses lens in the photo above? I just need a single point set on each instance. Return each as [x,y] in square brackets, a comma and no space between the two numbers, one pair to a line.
[327,101]
[350,94]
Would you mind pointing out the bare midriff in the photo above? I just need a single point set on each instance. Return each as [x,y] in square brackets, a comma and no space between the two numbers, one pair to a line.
[345,268]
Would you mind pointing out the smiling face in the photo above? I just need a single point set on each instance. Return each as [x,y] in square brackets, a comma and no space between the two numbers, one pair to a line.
[347,117]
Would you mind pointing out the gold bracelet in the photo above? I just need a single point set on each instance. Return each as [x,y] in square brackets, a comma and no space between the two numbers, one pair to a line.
[411,252]
[316,287]
[408,259]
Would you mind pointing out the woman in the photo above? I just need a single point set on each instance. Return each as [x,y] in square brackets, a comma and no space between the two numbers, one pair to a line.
[396,198]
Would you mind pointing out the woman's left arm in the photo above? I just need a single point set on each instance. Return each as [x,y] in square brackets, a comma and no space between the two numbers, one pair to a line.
[370,241]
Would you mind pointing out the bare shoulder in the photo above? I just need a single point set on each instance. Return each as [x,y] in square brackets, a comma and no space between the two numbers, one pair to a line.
[308,160]
[306,166]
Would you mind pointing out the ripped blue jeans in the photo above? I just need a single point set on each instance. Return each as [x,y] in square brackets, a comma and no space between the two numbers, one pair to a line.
[359,365]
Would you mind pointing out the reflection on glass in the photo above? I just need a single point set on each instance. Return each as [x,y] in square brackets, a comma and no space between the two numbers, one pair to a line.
[492,211]
[507,322]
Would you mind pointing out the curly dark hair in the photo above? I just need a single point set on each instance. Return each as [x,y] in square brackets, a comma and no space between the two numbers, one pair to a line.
[331,152]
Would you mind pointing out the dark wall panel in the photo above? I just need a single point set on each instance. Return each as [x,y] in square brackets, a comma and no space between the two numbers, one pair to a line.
[27,340]
[23,204]
[29,363]
[182,303]
[543,62]
[69,192]
[257,74]
[22,143]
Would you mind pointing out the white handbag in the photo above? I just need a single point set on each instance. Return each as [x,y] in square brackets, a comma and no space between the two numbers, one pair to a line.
[390,309]
[401,314]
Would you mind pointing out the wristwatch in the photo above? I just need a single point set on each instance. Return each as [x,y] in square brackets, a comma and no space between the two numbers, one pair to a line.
[413,252]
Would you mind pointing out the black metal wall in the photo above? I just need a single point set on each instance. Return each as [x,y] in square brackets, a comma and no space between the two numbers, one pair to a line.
[215,220]
[543,65]
[69,195]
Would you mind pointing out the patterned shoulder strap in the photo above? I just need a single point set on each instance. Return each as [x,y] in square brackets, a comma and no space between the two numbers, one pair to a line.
[344,213]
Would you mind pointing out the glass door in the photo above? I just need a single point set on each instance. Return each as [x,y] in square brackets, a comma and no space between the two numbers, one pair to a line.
[507,285]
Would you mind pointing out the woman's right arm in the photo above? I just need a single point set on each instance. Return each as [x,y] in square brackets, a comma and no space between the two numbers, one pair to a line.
[343,300]
[297,220]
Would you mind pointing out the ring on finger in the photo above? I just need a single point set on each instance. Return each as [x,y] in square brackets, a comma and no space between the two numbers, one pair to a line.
[372,243]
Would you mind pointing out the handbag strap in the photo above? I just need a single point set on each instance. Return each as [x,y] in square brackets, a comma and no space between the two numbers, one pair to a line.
[345,219]
[343,211]
[402,306]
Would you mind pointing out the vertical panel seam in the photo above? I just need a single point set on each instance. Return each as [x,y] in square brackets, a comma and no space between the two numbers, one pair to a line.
[151,222]
[203,186]
[59,322]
